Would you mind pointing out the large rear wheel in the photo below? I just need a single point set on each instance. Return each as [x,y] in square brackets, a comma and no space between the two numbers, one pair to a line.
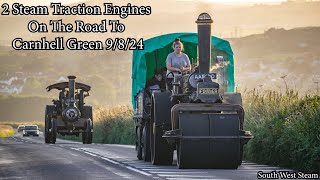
[138,142]
[145,143]
[161,152]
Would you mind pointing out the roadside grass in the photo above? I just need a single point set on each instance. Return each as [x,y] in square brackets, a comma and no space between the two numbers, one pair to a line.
[6,131]
[286,129]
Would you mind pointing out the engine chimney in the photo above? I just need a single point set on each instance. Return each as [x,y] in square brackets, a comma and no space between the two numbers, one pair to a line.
[72,87]
[204,22]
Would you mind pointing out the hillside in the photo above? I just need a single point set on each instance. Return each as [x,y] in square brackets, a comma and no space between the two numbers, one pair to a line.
[262,59]
[107,72]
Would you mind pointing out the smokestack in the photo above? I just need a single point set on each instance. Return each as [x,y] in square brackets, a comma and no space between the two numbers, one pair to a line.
[204,22]
[72,87]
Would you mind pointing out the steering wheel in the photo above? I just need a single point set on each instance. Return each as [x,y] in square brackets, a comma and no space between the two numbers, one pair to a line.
[172,73]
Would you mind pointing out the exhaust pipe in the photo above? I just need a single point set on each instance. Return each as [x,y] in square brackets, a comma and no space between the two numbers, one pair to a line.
[204,22]
[72,88]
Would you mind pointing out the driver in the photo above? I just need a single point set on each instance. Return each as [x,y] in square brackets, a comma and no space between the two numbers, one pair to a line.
[177,61]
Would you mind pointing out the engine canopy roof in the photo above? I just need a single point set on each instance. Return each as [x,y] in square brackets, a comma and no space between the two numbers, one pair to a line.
[64,85]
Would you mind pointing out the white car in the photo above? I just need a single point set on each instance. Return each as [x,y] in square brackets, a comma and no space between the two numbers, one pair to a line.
[20,128]
[31,130]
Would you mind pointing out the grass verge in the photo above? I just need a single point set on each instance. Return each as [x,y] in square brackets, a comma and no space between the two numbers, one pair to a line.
[286,129]
[6,131]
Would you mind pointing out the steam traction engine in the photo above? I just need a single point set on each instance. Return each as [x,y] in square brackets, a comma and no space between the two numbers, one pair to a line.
[69,115]
[196,116]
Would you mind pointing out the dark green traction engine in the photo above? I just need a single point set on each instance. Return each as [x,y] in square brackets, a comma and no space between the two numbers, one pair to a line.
[68,115]
[197,117]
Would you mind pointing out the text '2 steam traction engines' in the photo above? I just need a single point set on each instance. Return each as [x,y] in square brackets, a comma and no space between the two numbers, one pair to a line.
[68,115]
[197,113]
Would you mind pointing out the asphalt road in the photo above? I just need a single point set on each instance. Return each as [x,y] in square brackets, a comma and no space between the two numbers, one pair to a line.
[30,158]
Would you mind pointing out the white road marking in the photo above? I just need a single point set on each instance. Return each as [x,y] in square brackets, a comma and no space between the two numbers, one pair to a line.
[151,169]
[73,154]
[112,161]
[169,172]
[122,145]
[258,165]
[6,161]
[90,153]
[84,150]
[12,177]
[175,172]
[194,179]
[184,176]
[248,163]
[138,171]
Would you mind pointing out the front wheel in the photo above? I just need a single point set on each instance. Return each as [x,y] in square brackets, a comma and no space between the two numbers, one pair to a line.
[87,134]
[53,133]
[46,131]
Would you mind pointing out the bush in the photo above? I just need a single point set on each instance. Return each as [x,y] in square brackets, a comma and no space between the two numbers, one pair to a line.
[114,126]
[286,129]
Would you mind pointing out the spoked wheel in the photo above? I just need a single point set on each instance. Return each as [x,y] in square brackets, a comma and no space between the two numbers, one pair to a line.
[46,130]
[145,143]
[87,134]
[138,143]
[53,133]
[161,152]
[89,131]
[47,123]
